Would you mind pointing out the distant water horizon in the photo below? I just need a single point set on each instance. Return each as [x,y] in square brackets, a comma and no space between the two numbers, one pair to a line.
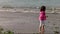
[29,3]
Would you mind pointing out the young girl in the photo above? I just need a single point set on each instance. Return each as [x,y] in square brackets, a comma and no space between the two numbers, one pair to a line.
[42,18]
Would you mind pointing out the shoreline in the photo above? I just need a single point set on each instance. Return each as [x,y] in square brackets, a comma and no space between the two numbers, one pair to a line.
[28,10]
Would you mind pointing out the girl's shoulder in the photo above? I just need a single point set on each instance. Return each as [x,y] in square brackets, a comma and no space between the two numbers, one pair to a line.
[41,11]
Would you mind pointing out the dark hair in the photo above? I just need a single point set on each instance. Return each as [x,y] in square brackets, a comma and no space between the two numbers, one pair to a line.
[43,8]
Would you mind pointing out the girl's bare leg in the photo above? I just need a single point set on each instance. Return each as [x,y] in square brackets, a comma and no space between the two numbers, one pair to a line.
[42,29]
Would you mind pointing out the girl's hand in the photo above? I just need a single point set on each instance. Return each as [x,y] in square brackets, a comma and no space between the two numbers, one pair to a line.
[46,16]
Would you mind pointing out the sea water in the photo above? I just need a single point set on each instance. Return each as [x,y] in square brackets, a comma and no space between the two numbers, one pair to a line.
[29,3]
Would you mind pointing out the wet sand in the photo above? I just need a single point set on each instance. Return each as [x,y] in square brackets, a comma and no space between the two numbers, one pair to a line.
[27,22]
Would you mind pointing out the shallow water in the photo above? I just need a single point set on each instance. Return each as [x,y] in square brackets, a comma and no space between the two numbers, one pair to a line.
[31,3]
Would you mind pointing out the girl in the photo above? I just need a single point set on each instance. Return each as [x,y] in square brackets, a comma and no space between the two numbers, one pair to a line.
[42,18]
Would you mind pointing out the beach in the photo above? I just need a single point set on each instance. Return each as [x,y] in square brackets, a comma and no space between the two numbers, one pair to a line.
[21,16]
[26,21]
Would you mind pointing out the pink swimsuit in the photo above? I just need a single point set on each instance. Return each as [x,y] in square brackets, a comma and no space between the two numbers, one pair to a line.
[42,15]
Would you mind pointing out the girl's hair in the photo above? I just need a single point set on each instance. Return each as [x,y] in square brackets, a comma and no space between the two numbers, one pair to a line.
[43,8]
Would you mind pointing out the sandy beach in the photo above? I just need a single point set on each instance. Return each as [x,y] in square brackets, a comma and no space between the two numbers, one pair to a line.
[27,22]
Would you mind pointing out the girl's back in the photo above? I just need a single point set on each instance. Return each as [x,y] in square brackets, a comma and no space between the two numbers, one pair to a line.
[42,15]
